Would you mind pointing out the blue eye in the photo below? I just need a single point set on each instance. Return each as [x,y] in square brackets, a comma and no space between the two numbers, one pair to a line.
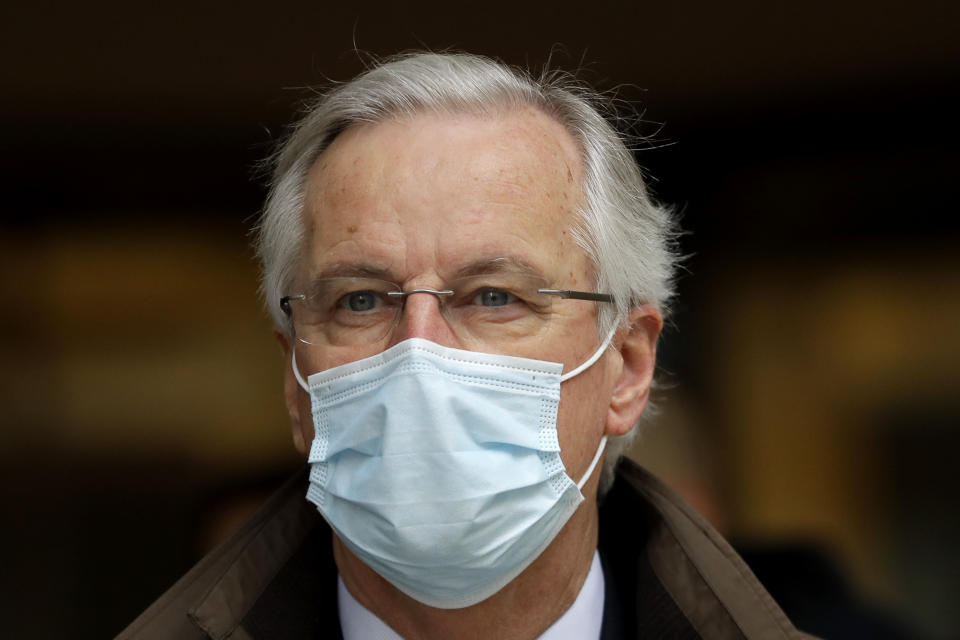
[494,298]
[360,301]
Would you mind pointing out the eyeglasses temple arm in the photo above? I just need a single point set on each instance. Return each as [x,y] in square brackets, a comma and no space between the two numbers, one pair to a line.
[285,302]
[577,295]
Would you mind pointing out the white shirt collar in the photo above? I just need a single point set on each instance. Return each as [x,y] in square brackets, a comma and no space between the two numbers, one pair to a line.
[582,620]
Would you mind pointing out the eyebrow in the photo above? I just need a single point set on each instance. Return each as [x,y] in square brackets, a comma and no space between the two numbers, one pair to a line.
[479,267]
[498,264]
[354,270]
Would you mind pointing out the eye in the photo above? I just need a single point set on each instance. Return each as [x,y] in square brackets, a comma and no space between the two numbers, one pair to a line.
[360,301]
[494,298]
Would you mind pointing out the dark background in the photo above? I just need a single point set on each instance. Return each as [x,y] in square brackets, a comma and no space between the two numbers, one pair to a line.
[810,389]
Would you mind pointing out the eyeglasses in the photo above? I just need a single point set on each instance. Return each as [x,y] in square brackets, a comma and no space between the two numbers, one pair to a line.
[486,312]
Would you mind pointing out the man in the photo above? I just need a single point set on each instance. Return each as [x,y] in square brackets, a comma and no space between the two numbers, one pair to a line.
[468,280]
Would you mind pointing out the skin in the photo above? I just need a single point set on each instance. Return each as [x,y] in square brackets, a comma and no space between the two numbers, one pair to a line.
[418,199]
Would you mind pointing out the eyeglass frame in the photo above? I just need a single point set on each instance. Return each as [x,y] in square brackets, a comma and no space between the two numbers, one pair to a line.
[565,294]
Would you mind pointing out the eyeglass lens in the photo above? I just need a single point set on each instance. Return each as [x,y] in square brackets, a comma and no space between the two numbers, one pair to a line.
[488,311]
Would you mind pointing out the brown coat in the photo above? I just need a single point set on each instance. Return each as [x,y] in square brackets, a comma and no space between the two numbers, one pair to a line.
[668,574]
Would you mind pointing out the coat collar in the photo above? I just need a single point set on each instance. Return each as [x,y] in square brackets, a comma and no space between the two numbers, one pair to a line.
[281,558]
[668,573]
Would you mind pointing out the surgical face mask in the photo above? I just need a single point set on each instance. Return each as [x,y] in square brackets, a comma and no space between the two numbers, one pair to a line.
[440,468]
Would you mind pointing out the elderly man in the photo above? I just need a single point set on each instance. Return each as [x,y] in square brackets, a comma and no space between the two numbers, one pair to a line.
[468,280]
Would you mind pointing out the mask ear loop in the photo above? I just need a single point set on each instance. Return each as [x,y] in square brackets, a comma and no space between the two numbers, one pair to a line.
[593,465]
[583,367]
[296,372]
[596,356]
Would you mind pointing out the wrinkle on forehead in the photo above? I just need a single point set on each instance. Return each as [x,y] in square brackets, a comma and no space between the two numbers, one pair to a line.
[546,141]
[389,186]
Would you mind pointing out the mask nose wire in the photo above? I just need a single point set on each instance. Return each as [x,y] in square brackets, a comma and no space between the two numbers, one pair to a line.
[583,367]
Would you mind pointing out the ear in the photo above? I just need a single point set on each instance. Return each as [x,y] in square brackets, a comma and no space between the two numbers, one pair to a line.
[291,394]
[638,350]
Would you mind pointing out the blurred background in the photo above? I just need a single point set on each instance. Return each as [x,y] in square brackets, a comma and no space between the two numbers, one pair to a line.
[810,398]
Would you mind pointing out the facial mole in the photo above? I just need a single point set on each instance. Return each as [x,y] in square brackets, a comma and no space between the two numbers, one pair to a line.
[352,228]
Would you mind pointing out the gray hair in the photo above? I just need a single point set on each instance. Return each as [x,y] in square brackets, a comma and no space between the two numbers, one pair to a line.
[628,237]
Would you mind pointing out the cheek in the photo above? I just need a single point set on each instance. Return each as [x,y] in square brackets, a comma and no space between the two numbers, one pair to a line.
[582,417]
[314,359]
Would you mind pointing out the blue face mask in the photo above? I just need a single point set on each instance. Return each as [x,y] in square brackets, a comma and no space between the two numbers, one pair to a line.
[440,468]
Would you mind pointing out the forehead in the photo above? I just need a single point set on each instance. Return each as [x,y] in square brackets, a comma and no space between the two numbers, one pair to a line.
[421,196]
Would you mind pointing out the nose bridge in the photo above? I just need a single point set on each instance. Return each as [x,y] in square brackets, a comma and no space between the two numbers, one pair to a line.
[421,316]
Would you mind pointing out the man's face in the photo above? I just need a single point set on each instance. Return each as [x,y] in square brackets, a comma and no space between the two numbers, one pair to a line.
[419,200]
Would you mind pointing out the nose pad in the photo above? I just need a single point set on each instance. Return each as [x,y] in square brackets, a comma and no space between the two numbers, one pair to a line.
[421,317]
